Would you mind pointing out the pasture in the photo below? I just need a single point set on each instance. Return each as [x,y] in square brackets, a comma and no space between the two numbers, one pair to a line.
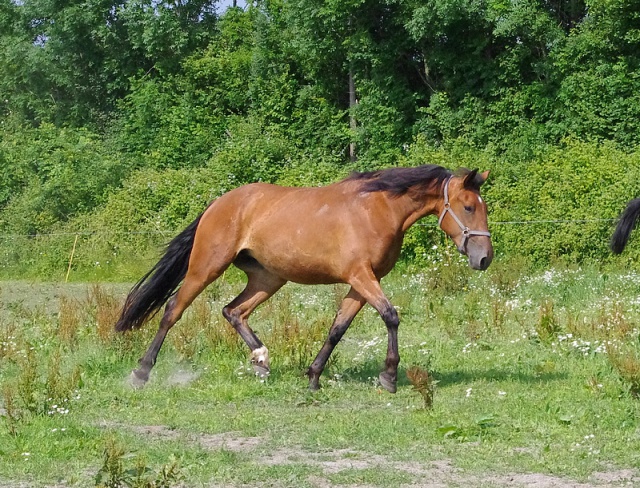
[517,379]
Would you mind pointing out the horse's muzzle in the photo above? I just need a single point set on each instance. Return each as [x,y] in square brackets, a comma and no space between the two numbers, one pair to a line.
[480,255]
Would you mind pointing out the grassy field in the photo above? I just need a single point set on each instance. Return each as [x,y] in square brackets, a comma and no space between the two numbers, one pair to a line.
[517,380]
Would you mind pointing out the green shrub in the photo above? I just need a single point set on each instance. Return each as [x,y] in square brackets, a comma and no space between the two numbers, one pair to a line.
[50,175]
[574,191]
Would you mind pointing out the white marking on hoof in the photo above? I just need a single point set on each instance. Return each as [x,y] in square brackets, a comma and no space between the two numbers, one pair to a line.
[260,356]
[260,361]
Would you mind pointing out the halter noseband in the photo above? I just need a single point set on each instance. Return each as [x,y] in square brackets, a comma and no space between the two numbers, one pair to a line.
[466,232]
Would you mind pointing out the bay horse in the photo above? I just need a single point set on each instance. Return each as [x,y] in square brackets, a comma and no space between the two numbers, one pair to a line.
[347,232]
[625,225]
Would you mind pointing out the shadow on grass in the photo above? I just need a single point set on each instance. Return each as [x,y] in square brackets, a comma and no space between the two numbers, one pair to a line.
[458,377]
[365,372]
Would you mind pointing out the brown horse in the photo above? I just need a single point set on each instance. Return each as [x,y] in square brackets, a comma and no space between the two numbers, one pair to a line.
[348,232]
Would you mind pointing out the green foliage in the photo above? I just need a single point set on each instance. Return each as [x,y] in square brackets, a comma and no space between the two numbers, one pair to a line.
[51,175]
[576,191]
[177,121]
[172,106]
[167,125]
[112,473]
[70,64]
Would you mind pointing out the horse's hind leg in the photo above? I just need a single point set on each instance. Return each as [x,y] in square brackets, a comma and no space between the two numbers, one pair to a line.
[350,306]
[194,282]
[260,286]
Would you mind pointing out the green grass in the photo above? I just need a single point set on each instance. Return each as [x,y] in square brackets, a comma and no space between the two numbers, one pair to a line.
[534,374]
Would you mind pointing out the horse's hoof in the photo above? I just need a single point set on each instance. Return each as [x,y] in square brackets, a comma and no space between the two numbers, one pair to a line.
[388,382]
[260,370]
[314,385]
[138,379]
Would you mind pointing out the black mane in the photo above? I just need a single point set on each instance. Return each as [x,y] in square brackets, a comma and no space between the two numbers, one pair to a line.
[398,181]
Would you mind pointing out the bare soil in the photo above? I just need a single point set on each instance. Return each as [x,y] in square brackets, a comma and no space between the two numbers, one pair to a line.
[435,474]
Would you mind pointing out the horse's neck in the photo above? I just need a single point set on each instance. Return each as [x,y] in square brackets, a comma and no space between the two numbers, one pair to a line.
[417,208]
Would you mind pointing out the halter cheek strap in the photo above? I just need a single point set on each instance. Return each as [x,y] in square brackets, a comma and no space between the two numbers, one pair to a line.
[466,232]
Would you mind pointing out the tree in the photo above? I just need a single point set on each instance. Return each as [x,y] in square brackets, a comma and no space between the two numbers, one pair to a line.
[68,63]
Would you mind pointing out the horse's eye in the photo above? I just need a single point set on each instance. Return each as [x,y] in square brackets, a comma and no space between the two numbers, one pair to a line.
[468,209]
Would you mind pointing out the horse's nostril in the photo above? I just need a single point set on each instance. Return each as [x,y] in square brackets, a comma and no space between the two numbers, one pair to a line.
[483,263]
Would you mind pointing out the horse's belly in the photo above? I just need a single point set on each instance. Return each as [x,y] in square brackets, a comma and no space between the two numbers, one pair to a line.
[301,269]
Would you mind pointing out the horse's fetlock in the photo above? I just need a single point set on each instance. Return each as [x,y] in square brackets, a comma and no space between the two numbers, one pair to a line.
[392,361]
[314,379]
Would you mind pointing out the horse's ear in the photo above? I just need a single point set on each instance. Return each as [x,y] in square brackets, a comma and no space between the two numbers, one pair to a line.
[474,180]
[470,180]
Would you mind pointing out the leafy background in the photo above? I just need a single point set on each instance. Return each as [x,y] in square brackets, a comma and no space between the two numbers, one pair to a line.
[119,120]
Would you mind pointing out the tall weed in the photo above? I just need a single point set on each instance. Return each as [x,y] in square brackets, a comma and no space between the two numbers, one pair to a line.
[114,473]
[547,326]
[69,319]
[626,362]
[106,308]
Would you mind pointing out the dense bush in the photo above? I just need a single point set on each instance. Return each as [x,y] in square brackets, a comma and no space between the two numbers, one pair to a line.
[49,175]
[561,205]
[120,123]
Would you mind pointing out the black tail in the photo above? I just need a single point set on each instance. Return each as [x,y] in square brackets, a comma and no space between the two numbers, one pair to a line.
[157,286]
[625,226]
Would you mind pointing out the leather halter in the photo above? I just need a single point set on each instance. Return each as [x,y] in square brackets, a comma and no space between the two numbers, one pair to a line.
[466,232]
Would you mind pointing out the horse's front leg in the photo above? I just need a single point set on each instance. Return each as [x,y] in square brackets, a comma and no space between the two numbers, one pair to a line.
[350,306]
[366,283]
[388,378]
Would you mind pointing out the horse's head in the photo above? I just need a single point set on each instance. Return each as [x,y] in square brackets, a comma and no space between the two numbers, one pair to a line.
[464,217]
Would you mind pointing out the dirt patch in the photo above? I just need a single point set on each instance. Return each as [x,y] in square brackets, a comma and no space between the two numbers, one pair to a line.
[434,474]
[231,441]
[439,473]
[18,296]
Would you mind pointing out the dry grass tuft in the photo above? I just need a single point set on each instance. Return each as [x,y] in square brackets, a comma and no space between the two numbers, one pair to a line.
[423,383]
[12,413]
[107,310]
[626,363]
[69,319]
